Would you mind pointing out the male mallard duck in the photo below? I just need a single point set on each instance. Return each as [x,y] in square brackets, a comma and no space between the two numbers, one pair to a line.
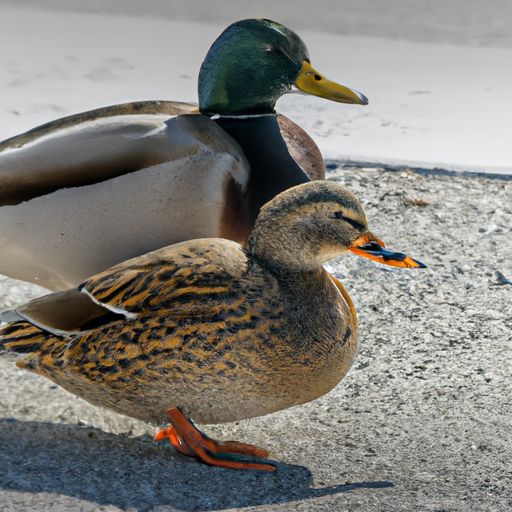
[82,193]
[207,329]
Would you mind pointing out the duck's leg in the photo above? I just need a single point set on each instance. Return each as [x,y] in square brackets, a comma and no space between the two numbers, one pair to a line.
[177,443]
[189,440]
[211,444]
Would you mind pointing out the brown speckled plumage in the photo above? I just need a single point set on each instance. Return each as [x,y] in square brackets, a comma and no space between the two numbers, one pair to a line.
[215,334]
[208,329]
[204,326]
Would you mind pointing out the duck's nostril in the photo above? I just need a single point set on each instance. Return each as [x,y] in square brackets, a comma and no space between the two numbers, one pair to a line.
[318,77]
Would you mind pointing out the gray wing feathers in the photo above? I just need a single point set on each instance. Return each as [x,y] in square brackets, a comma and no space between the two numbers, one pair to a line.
[84,193]
[84,149]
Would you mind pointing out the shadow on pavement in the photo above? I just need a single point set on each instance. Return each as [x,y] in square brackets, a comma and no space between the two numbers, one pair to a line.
[108,469]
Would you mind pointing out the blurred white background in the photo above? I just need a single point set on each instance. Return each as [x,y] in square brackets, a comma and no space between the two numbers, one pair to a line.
[476,22]
[437,73]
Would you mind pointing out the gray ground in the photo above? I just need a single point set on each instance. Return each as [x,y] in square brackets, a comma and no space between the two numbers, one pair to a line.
[422,422]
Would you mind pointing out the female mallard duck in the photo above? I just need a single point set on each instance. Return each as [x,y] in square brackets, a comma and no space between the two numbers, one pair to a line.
[85,192]
[207,329]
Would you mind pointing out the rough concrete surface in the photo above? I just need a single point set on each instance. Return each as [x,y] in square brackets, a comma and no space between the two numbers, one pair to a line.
[422,422]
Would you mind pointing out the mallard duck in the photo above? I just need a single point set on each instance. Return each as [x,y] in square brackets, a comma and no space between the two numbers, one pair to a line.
[207,330]
[84,192]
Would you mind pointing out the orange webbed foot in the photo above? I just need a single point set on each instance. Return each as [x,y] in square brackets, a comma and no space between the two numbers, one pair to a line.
[189,440]
[177,443]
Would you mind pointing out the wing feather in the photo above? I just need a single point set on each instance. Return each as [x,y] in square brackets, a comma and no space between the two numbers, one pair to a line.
[179,277]
[86,148]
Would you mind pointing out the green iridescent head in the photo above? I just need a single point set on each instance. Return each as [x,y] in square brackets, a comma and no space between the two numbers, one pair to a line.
[253,63]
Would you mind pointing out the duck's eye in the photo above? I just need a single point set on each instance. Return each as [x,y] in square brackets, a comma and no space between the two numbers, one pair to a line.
[268,48]
[352,222]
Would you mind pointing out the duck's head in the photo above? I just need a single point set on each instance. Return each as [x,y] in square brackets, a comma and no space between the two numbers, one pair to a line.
[307,225]
[253,63]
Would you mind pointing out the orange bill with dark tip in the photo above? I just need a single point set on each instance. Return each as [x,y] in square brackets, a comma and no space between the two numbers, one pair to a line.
[372,248]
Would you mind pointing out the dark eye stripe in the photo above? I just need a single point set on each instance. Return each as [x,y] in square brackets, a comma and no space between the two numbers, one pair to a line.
[353,223]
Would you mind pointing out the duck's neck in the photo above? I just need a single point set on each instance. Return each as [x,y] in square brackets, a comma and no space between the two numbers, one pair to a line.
[314,304]
[272,169]
[298,282]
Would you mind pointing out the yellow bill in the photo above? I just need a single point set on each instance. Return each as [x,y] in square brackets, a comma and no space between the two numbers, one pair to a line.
[313,82]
